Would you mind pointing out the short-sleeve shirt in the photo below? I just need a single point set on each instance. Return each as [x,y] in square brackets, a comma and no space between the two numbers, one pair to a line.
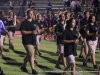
[59,28]
[2,27]
[28,38]
[40,24]
[5,21]
[70,48]
[83,22]
[92,29]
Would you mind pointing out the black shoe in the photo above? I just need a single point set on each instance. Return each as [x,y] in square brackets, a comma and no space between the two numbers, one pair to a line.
[23,69]
[34,72]
[89,59]
[81,56]
[84,64]
[40,54]
[57,66]
[35,62]
[11,47]
[95,66]
[1,72]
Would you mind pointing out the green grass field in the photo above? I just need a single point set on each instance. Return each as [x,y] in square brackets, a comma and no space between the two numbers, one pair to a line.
[13,60]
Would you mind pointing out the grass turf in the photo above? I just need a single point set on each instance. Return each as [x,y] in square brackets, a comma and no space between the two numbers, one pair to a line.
[14,58]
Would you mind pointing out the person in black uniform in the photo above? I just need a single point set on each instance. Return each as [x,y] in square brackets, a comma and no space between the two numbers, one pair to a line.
[12,24]
[59,30]
[70,40]
[3,34]
[28,30]
[92,33]
[40,24]
[83,24]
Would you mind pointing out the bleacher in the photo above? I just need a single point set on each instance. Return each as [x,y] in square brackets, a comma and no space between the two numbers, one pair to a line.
[40,6]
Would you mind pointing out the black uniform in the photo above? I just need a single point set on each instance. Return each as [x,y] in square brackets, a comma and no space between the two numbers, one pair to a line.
[12,27]
[83,22]
[92,29]
[59,28]
[28,38]
[70,48]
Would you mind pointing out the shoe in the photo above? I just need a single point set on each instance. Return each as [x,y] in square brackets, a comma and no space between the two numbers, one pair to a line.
[3,54]
[1,72]
[11,47]
[57,66]
[81,56]
[35,62]
[23,69]
[34,72]
[40,54]
[84,64]
[95,66]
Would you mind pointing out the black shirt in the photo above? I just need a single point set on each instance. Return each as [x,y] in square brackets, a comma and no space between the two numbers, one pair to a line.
[40,24]
[11,23]
[92,29]
[5,21]
[28,38]
[83,22]
[59,28]
[70,48]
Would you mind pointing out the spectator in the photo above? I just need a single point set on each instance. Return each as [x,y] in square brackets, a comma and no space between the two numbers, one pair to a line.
[76,6]
[49,7]
[96,10]
[66,2]
[11,4]
[24,2]
[21,12]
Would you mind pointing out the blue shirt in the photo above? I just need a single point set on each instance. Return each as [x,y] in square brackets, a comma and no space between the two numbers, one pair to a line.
[2,27]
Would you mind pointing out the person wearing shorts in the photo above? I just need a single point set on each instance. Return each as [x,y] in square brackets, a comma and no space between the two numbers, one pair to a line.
[83,24]
[11,29]
[70,40]
[92,32]
[3,34]
[40,24]
[59,30]
[28,30]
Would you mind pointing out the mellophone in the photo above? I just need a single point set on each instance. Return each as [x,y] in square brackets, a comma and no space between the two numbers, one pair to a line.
[51,29]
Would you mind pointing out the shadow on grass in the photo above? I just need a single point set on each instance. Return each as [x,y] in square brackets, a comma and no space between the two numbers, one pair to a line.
[79,59]
[49,59]
[47,70]
[18,52]
[10,61]
[6,50]
[88,69]
[51,53]
[6,44]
